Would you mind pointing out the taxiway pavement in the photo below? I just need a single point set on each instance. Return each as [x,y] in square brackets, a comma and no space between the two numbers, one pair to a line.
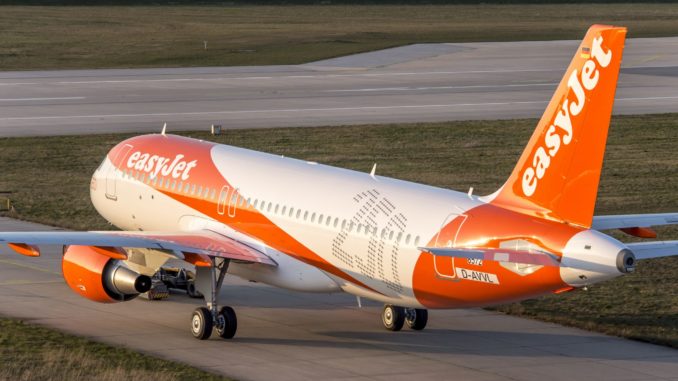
[417,83]
[295,336]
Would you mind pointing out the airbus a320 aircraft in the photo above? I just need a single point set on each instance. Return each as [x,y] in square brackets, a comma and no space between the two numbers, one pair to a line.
[310,227]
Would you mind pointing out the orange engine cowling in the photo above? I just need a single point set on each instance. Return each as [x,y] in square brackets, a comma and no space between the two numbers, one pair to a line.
[99,277]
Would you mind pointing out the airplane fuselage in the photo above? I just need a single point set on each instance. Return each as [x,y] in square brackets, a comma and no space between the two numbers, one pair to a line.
[333,229]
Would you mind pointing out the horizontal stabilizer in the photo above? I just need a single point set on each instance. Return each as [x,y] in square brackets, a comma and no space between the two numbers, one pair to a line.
[647,250]
[497,255]
[623,221]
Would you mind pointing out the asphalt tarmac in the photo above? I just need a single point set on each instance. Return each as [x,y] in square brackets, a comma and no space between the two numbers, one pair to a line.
[295,336]
[417,83]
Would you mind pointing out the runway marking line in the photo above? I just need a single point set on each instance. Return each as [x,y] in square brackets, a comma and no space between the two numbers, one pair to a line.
[436,87]
[276,77]
[232,112]
[38,99]
[31,267]
[27,282]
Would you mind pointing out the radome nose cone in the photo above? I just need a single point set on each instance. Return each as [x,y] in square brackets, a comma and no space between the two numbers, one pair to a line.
[626,261]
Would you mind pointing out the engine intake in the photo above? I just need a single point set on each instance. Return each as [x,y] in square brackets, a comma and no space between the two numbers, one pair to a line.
[100,278]
[626,261]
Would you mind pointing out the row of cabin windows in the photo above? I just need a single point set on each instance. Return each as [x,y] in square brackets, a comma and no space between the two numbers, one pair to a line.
[326,220]
[242,203]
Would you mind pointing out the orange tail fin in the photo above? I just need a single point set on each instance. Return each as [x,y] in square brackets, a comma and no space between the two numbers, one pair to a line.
[557,174]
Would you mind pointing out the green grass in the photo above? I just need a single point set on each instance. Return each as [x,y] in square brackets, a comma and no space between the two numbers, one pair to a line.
[50,177]
[48,37]
[30,352]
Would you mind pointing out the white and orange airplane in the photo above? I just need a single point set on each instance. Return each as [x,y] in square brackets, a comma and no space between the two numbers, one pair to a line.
[309,227]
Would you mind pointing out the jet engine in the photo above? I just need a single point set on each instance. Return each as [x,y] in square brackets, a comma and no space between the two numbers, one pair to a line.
[591,257]
[99,277]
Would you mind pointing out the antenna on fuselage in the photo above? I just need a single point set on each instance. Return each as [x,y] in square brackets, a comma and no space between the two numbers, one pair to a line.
[164,129]
[374,170]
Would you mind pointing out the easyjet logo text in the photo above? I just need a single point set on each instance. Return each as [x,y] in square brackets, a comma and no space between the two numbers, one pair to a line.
[154,165]
[560,131]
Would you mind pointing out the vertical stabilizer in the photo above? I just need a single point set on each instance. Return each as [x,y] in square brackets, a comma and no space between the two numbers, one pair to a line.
[558,173]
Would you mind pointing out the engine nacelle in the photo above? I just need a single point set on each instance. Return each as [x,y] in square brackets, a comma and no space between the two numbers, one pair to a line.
[100,278]
[591,257]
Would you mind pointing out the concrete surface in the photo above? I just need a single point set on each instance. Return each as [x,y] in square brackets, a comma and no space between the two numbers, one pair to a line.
[427,82]
[294,336]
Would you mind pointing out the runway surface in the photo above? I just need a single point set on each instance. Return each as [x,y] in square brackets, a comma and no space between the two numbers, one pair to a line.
[295,336]
[427,82]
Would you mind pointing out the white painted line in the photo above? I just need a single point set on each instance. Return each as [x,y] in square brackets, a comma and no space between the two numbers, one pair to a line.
[211,79]
[436,88]
[298,110]
[645,99]
[17,83]
[38,99]
[291,110]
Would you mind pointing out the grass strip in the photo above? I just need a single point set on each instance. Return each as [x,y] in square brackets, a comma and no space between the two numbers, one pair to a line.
[33,352]
[59,37]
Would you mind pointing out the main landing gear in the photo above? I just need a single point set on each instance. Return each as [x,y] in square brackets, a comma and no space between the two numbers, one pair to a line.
[395,317]
[211,318]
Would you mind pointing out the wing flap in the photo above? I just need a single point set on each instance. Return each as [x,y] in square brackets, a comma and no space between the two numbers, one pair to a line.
[203,242]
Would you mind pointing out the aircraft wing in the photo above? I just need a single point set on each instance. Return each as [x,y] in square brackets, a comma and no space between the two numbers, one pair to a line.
[185,245]
[625,221]
[647,250]
[498,255]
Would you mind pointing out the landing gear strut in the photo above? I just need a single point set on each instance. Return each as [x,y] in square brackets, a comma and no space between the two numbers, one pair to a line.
[395,317]
[206,319]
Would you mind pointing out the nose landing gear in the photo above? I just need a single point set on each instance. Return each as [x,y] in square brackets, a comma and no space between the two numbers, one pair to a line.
[206,319]
[395,317]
